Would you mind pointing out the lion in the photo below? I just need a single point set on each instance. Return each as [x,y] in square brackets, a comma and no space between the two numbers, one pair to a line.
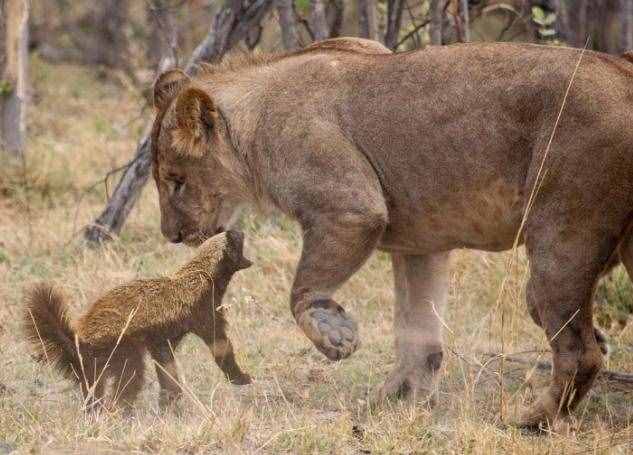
[109,341]
[479,146]
[231,209]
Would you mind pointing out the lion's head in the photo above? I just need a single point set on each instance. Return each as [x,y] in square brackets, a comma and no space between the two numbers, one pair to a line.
[188,139]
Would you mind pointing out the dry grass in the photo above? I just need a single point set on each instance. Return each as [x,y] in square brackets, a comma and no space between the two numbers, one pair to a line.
[300,403]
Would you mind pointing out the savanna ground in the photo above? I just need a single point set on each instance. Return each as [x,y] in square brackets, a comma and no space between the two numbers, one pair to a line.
[80,127]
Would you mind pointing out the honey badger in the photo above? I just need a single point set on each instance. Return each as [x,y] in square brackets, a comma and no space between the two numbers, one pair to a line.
[109,341]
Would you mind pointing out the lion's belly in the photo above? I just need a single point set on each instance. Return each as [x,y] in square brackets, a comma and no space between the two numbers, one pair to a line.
[485,219]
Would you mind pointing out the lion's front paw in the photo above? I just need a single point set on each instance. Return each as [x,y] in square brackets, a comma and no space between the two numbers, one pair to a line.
[331,330]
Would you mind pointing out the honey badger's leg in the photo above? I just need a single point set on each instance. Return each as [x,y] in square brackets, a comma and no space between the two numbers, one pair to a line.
[93,390]
[213,332]
[421,292]
[128,370]
[93,376]
[162,352]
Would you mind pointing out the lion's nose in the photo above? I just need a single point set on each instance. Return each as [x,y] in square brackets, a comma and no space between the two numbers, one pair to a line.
[171,231]
[175,238]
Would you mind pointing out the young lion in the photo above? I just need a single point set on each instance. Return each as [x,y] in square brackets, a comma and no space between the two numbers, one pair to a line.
[148,314]
[416,154]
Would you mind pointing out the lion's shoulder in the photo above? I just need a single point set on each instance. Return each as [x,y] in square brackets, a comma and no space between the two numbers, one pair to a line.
[360,45]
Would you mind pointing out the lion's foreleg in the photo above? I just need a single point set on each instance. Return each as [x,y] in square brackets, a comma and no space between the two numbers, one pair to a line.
[421,291]
[334,247]
[330,187]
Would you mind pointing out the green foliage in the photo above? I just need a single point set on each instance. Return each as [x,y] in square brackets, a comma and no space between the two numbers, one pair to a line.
[614,299]
[5,88]
[4,256]
[546,23]
[302,5]
[543,18]
[45,179]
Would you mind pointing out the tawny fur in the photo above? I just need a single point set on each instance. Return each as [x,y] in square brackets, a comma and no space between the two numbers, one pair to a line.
[418,153]
[108,343]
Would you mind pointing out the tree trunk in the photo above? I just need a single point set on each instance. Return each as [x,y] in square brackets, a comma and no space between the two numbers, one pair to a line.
[334,14]
[436,8]
[394,20]
[15,39]
[368,23]
[464,18]
[109,21]
[163,37]
[608,17]
[230,25]
[318,20]
[288,24]
[627,25]
[578,23]
[562,20]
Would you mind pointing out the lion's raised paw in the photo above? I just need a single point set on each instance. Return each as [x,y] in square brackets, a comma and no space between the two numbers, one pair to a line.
[332,331]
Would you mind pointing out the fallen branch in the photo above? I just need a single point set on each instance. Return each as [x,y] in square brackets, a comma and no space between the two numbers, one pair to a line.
[604,375]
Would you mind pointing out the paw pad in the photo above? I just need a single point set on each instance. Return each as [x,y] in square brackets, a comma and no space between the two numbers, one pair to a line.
[331,330]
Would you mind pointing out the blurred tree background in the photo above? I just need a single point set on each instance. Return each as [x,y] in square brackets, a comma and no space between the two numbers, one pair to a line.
[133,39]
[130,41]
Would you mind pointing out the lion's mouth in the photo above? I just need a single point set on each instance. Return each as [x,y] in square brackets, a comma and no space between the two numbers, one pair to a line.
[195,240]
[198,238]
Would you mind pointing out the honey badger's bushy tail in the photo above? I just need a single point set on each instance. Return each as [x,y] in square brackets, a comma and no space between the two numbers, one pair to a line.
[48,330]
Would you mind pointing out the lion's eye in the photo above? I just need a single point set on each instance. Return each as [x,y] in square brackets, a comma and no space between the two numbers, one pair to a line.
[176,183]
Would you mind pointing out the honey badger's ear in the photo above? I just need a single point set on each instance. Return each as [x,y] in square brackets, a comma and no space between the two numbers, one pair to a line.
[195,114]
[167,86]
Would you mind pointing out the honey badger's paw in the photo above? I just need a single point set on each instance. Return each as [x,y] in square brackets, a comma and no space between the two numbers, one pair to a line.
[241,379]
[331,330]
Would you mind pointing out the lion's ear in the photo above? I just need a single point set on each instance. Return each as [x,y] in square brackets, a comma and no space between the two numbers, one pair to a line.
[195,114]
[169,84]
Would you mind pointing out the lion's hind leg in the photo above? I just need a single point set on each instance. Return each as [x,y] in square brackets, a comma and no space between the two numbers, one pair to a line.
[563,274]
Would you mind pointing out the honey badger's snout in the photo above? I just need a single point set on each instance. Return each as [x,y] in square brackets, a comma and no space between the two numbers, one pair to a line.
[236,250]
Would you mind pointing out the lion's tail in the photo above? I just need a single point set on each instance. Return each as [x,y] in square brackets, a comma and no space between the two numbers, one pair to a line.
[49,331]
